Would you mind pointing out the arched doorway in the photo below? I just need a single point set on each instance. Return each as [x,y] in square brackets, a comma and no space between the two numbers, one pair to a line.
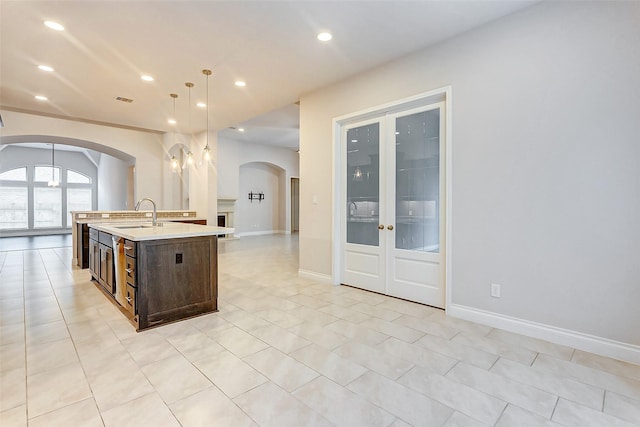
[82,175]
[263,199]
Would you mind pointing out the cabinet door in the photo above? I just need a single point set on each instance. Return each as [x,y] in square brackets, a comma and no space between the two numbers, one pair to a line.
[108,277]
[103,265]
[94,258]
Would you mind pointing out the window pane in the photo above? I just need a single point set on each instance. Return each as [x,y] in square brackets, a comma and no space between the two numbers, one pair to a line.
[77,178]
[363,188]
[43,174]
[19,174]
[13,208]
[78,199]
[47,207]
[418,181]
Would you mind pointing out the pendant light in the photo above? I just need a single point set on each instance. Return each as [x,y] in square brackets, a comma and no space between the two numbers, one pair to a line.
[189,159]
[53,182]
[206,152]
[175,166]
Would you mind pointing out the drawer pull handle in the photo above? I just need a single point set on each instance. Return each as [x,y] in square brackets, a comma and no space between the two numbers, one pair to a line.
[129,300]
[128,270]
[128,248]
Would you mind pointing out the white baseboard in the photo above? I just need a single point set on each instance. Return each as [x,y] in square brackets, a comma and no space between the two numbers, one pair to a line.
[318,277]
[593,344]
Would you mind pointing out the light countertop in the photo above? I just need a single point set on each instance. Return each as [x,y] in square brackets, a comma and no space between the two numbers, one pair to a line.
[139,231]
[139,220]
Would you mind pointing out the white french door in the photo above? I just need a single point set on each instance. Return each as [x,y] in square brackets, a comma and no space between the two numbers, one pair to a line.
[393,212]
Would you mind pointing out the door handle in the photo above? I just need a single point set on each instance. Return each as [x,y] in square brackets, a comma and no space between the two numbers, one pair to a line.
[381,227]
[390,227]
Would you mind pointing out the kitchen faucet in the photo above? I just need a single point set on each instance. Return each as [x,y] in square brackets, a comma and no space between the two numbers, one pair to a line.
[155,212]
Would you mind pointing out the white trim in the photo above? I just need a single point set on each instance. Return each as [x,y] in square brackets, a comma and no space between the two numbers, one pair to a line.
[336,264]
[318,277]
[593,344]
[448,200]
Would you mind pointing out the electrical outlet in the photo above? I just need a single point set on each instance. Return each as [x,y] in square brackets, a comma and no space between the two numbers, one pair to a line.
[148,214]
[178,258]
[82,215]
[105,215]
[495,290]
[185,214]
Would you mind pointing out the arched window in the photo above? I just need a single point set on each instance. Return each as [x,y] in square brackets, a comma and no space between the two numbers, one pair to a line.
[79,193]
[14,199]
[29,202]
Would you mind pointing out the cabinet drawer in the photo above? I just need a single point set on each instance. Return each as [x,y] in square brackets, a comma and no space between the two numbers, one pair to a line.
[130,248]
[130,299]
[105,238]
[130,270]
[93,234]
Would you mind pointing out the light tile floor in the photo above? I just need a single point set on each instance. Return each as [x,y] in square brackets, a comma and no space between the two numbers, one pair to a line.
[282,351]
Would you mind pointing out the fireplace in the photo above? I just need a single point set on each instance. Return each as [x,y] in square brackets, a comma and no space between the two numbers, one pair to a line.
[226,210]
[222,222]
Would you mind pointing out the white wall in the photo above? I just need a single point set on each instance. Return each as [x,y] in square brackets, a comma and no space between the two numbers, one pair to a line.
[145,147]
[232,154]
[112,183]
[546,165]
[14,156]
[260,217]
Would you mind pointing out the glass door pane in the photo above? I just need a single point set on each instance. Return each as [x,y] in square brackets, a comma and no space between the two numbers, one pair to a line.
[418,181]
[363,187]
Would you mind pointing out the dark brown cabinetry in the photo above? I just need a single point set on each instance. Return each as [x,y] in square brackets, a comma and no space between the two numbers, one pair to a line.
[160,280]
[94,254]
[176,279]
[129,287]
[101,262]
[82,245]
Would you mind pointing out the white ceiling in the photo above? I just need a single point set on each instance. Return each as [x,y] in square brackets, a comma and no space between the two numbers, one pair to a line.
[108,45]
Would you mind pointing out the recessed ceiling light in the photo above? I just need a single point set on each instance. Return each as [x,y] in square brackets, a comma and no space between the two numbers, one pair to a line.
[41,98]
[172,121]
[324,37]
[54,25]
[201,104]
[240,129]
[146,78]
[45,68]
[240,83]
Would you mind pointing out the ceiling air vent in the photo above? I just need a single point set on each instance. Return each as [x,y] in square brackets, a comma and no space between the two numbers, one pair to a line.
[123,99]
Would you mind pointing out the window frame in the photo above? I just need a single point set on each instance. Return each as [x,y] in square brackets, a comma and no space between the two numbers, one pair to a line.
[31,184]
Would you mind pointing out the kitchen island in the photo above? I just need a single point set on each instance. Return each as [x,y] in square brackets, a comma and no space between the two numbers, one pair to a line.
[156,274]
